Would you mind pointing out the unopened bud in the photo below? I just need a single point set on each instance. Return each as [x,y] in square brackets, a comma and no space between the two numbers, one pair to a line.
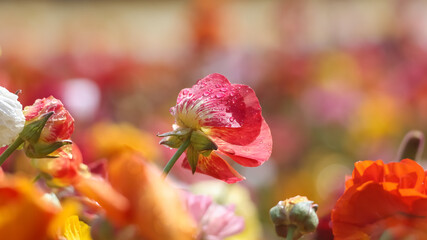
[171,141]
[175,138]
[298,213]
[411,146]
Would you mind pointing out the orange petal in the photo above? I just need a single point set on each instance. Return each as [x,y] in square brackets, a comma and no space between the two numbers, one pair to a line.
[115,205]
[155,206]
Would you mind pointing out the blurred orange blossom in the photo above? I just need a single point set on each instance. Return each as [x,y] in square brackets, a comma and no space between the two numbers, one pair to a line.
[137,195]
[23,213]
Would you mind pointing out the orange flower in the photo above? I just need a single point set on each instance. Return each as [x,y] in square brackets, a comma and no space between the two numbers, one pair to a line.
[383,200]
[23,213]
[138,196]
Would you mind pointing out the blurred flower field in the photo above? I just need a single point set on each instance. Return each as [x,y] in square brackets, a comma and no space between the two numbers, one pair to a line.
[338,82]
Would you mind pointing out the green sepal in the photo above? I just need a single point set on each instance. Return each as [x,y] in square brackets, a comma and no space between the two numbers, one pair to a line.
[178,132]
[277,215]
[171,141]
[201,142]
[42,150]
[206,153]
[192,158]
[32,131]
[304,213]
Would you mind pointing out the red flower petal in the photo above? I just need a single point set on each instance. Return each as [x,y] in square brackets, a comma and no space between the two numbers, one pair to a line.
[215,166]
[213,102]
[251,155]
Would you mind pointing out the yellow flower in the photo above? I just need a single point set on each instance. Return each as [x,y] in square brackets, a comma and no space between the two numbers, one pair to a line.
[75,229]
[377,117]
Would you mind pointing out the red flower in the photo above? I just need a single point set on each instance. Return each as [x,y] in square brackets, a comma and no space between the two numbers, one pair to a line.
[59,126]
[224,121]
[383,200]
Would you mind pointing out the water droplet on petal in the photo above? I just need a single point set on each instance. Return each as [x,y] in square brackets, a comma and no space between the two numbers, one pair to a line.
[232,119]
[228,150]
[219,95]
[206,94]
[223,89]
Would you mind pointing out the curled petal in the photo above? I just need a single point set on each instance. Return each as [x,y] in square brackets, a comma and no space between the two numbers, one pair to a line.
[99,190]
[252,154]
[155,206]
[408,173]
[356,208]
[367,171]
[215,166]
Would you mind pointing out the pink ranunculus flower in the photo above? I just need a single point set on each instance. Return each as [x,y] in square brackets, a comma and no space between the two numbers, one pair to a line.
[215,222]
[223,121]
[58,127]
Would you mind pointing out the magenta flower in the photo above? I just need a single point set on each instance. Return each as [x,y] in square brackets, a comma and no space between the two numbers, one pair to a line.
[215,222]
[221,121]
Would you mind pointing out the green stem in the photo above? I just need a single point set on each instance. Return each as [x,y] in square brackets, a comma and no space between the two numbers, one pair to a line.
[291,230]
[37,177]
[175,157]
[18,142]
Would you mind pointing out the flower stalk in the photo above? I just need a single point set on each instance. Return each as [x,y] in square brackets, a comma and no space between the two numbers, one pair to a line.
[10,149]
[176,156]
[291,230]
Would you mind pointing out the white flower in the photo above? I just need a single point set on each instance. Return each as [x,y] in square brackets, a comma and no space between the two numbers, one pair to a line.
[12,118]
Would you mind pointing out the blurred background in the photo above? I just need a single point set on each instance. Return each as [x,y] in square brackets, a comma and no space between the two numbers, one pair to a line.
[339,81]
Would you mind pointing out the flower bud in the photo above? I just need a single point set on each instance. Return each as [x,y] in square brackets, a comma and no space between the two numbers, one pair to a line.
[171,141]
[175,138]
[58,127]
[297,212]
[412,146]
[48,127]
[12,119]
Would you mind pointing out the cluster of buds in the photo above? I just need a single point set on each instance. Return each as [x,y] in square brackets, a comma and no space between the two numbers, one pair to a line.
[296,215]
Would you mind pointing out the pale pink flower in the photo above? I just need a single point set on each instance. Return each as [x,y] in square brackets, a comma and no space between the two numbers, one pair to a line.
[215,222]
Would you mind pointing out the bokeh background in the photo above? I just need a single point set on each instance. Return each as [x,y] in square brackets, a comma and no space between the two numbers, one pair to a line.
[339,81]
